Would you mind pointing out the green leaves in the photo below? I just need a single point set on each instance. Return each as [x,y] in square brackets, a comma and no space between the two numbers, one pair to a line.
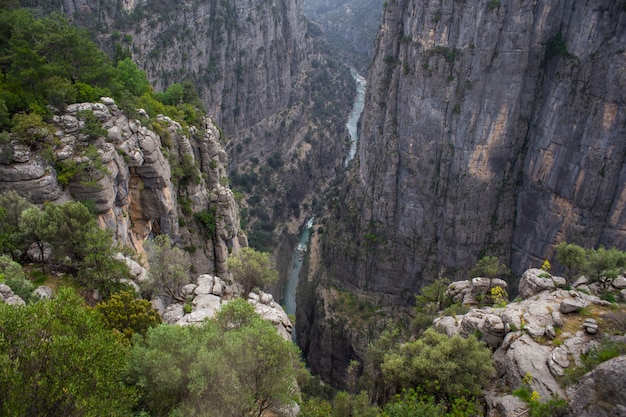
[58,359]
[252,268]
[128,315]
[442,366]
[234,365]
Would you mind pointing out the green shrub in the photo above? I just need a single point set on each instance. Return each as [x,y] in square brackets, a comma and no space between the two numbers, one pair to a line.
[556,47]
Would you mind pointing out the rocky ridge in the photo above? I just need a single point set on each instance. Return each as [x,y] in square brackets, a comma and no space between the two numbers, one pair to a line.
[128,178]
[207,296]
[543,335]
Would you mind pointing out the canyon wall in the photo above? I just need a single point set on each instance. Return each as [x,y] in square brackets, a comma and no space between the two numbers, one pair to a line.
[350,26]
[490,128]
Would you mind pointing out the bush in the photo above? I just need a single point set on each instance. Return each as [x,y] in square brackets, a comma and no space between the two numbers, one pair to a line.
[444,367]
[127,314]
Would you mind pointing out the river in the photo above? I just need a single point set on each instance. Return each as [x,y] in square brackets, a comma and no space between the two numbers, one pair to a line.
[289,295]
[353,121]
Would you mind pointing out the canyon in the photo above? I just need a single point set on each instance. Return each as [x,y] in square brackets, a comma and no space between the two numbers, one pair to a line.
[489,128]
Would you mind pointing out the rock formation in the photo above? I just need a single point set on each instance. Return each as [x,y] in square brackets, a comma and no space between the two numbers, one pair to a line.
[537,336]
[126,173]
[265,77]
[489,128]
[210,293]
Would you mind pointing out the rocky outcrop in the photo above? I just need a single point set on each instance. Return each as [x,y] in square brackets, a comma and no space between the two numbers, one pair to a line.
[488,127]
[536,337]
[8,296]
[211,292]
[139,183]
[600,392]
[265,77]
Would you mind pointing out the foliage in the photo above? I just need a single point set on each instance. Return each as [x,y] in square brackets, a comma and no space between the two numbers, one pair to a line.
[44,60]
[92,126]
[343,405]
[169,268]
[598,264]
[252,269]
[64,363]
[127,314]
[412,403]
[555,407]
[11,207]
[493,4]
[132,78]
[556,47]
[30,130]
[489,267]
[499,296]
[545,266]
[572,257]
[77,242]
[372,378]
[13,275]
[428,303]
[444,367]
[233,365]
[606,350]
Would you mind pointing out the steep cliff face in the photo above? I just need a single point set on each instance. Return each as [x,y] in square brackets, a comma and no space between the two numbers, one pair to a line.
[139,183]
[264,75]
[491,127]
[350,25]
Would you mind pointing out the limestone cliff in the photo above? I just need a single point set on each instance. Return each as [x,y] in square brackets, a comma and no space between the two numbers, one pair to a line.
[490,127]
[139,183]
[350,26]
[266,78]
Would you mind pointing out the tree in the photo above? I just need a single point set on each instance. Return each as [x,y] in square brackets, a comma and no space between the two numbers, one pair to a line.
[489,267]
[134,79]
[428,303]
[57,359]
[604,264]
[233,365]
[169,268]
[445,367]
[252,269]
[32,230]
[127,314]
[11,207]
[372,378]
[572,257]
[13,275]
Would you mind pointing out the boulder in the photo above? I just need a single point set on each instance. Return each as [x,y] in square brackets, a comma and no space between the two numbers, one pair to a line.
[43,292]
[590,326]
[8,296]
[534,281]
[619,283]
[600,393]
[525,356]
[158,305]
[450,325]
[489,325]
[507,405]
[572,305]
[558,361]
[173,313]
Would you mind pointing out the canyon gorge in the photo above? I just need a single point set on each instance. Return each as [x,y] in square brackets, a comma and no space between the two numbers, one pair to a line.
[489,128]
